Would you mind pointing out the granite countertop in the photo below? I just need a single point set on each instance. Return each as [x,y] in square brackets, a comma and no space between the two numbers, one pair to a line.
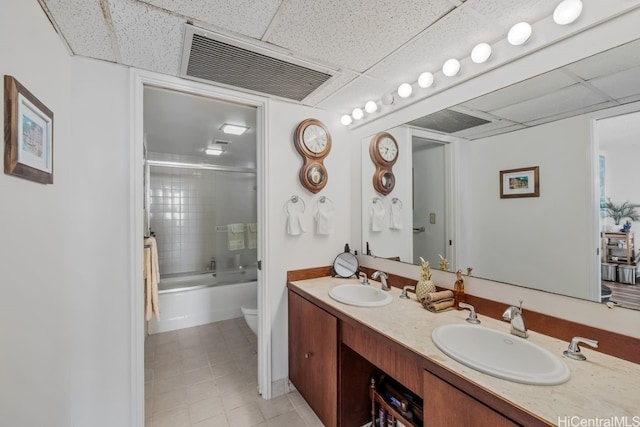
[602,387]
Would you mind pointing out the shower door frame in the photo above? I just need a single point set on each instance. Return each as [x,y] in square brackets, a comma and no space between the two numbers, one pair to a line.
[138,80]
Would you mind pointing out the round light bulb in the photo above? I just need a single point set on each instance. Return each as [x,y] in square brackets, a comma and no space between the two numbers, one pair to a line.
[357,113]
[346,120]
[404,90]
[425,79]
[481,53]
[371,107]
[388,99]
[567,11]
[519,34]
[451,67]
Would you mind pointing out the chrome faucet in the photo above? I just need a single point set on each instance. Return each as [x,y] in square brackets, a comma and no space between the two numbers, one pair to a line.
[363,276]
[513,314]
[212,264]
[473,317]
[383,279]
[573,352]
[404,294]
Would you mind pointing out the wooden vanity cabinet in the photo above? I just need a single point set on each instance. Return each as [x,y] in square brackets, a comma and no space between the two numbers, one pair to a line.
[313,357]
[450,406]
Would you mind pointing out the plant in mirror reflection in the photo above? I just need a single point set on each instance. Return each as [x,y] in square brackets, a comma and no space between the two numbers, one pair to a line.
[621,211]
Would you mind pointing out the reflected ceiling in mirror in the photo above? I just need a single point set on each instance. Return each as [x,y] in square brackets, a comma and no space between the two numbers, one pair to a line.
[608,79]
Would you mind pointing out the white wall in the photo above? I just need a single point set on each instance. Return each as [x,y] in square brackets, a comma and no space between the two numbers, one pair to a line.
[309,249]
[535,242]
[64,311]
[389,242]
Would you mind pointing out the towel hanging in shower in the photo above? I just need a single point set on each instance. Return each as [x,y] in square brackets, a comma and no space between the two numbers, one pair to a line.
[252,235]
[235,237]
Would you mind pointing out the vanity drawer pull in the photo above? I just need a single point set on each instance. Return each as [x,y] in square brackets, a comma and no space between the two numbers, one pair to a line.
[308,355]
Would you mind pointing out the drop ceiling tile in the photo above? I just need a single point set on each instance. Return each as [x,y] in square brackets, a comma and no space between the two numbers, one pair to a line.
[332,86]
[619,85]
[83,26]
[608,62]
[147,38]
[506,13]
[351,34]
[572,98]
[494,131]
[527,89]
[248,17]
[452,37]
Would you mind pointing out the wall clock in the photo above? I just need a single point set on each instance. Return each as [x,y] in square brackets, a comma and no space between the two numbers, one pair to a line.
[313,141]
[384,153]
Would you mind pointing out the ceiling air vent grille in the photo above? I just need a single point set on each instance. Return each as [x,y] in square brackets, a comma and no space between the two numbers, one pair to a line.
[217,61]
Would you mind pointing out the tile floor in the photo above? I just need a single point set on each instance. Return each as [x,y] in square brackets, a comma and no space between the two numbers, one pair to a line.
[206,376]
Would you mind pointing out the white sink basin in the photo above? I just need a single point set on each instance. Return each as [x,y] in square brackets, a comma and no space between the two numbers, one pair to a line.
[360,295]
[500,354]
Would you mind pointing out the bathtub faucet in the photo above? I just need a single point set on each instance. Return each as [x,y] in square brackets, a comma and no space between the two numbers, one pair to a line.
[212,264]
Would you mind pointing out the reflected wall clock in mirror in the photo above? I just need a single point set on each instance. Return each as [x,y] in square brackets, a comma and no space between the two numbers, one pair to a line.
[384,154]
[313,141]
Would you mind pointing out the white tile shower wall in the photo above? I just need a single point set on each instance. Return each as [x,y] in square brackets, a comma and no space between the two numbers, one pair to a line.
[186,205]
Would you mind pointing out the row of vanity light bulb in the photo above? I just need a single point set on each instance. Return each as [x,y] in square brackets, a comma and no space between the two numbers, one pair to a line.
[565,13]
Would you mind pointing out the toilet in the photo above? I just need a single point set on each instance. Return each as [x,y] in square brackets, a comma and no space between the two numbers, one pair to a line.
[250,313]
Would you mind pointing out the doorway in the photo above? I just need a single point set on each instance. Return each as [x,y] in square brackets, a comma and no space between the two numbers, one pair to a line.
[139,81]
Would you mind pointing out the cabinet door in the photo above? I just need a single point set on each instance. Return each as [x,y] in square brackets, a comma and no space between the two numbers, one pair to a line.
[313,357]
[445,406]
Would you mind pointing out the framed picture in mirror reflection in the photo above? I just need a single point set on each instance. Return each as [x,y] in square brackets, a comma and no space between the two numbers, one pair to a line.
[522,182]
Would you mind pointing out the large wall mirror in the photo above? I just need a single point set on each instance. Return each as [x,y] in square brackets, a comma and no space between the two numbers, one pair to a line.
[448,180]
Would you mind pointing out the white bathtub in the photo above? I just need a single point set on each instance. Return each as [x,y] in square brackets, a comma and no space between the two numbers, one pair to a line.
[197,299]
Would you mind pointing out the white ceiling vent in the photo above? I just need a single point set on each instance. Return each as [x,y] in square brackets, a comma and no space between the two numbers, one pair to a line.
[215,58]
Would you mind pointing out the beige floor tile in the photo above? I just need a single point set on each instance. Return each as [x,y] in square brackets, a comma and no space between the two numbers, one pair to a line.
[295,398]
[194,362]
[275,407]
[168,384]
[204,409]
[223,369]
[245,416]
[199,375]
[219,355]
[201,391]
[227,325]
[167,359]
[166,337]
[173,418]
[217,421]
[308,415]
[289,419]
[170,400]
[244,396]
[167,371]
[168,347]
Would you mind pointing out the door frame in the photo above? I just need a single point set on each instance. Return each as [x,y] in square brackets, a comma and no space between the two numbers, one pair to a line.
[138,80]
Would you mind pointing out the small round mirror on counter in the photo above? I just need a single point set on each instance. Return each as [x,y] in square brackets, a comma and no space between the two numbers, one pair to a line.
[345,265]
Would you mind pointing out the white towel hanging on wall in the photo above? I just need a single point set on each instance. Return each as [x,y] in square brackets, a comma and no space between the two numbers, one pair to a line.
[377,211]
[324,216]
[295,221]
[396,214]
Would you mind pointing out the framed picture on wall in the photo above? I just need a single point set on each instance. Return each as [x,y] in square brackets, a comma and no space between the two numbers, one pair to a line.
[28,134]
[523,182]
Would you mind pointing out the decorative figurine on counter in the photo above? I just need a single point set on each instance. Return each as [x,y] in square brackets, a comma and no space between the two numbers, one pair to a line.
[626,227]
[444,263]
[425,285]
[458,289]
[469,271]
